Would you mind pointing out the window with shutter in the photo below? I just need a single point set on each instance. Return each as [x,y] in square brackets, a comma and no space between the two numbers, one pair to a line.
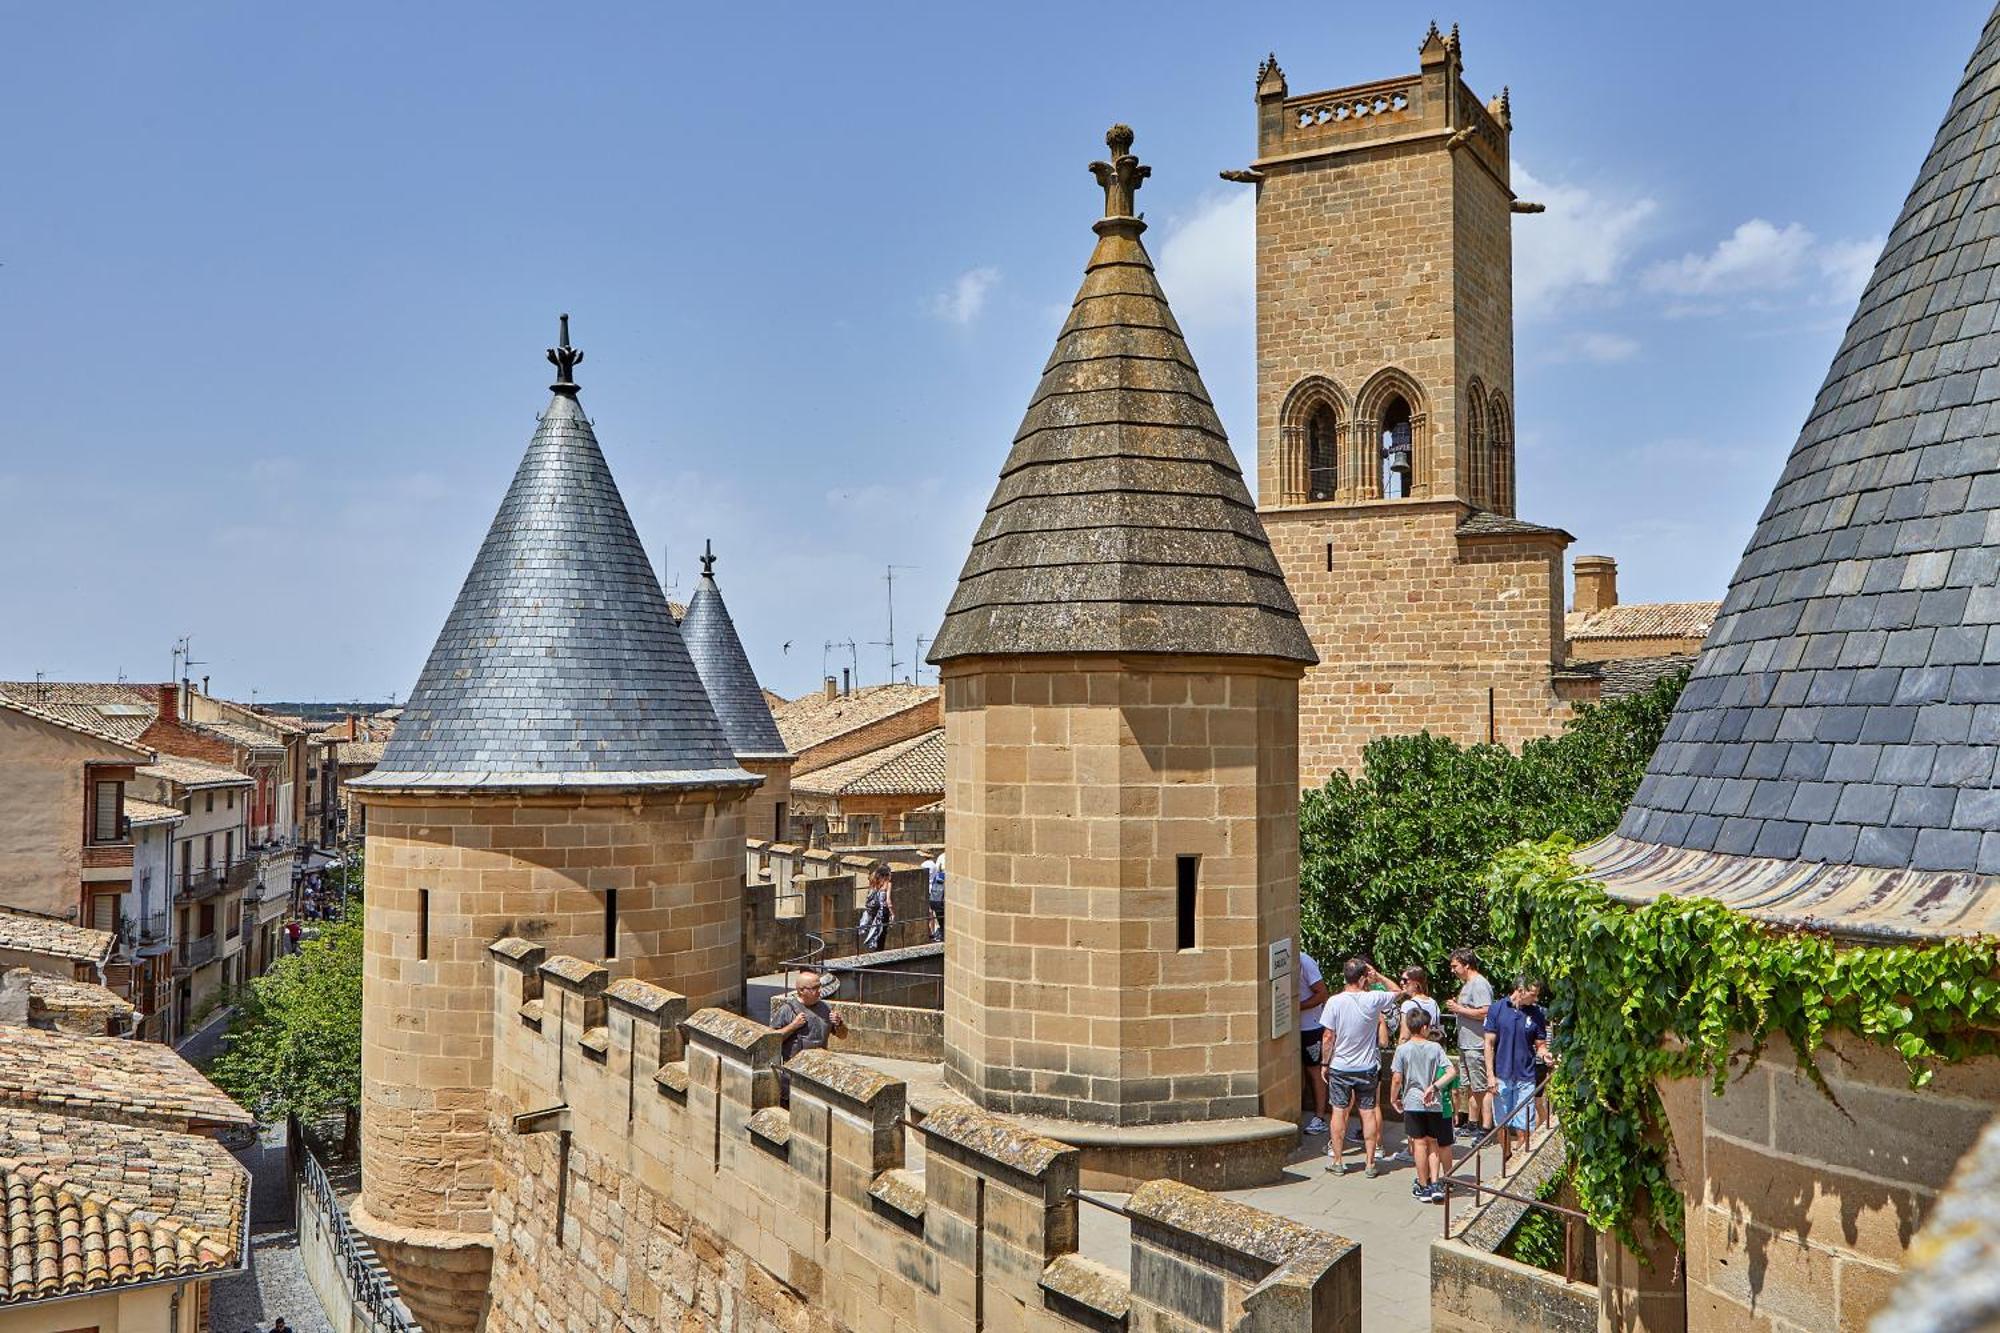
[110,800]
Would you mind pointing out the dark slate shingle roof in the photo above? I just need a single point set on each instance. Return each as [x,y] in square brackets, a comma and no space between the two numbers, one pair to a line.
[1121,522]
[1846,708]
[559,664]
[726,674]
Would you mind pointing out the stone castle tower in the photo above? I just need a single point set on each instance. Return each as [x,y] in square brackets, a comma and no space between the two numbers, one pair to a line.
[740,705]
[1385,460]
[560,776]
[1120,668]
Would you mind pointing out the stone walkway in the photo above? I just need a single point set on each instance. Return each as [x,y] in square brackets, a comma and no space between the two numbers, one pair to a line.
[277,1283]
[1395,1231]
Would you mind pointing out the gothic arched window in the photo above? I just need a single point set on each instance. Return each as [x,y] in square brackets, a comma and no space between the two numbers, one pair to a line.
[1322,452]
[1501,428]
[1479,479]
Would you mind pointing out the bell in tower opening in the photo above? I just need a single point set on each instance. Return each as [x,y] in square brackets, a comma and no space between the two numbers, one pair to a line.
[1396,449]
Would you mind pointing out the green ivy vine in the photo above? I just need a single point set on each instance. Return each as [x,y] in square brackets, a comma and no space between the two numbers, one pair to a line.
[1677,987]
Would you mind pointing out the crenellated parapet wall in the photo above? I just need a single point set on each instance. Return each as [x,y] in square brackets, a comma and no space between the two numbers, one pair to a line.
[649,1168]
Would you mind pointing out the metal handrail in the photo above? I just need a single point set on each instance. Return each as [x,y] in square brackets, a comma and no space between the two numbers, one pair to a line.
[1477,1186]
[367,1286]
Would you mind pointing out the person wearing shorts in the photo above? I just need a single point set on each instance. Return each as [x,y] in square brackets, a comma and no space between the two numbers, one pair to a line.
[1419,1070]
[1469,1006]
[1517,1037]
[1356,1026]
[1312,999]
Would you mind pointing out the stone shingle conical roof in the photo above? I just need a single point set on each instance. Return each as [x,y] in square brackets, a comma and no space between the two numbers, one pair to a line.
[1121,522]
[725,670]
[1845,712]
[559,664]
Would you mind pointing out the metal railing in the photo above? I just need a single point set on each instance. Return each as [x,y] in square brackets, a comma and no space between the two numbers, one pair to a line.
[195,952]
[856,981]
[369,1288]
[1477,1187]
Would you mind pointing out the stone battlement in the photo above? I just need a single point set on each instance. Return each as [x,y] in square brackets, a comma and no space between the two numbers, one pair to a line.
[648,1165]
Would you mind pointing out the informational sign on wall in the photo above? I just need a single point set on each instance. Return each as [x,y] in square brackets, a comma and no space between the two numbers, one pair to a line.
[1281,958]
[1284,1007]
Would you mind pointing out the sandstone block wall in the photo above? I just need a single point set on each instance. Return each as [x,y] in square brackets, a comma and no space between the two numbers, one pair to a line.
[672,1190]
[1074,787]
[1384,252]
[1414,625]
[1800,1210]
[762,810]
[447,876]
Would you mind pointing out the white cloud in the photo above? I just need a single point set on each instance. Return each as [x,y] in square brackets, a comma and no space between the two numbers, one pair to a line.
[1760,258]
[1757,256]
[1208,261]
[962,302]
[1847,266]
[1582,241]
[1603,348]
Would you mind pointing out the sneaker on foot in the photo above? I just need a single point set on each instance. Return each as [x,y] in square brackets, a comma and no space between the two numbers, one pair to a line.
[1373,1170]
[1315,1125]
[1335,1166]
[1418,1190]
[1435,1194]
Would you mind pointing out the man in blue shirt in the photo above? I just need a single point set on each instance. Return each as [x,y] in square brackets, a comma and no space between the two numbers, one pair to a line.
[1517,1031]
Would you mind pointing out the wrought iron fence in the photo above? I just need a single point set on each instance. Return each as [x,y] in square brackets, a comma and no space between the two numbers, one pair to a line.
[370,1289]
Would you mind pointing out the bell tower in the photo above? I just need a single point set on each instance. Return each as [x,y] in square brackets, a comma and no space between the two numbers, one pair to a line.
[1385,391]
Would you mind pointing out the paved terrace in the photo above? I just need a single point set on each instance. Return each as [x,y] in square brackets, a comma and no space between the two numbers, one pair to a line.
[1395,1231]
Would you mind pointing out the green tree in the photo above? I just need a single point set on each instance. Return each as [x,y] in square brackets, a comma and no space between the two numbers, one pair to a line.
[1392,863]
[294,1045]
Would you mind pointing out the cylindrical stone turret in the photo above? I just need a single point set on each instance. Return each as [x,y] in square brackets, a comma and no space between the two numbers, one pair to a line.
[558,774]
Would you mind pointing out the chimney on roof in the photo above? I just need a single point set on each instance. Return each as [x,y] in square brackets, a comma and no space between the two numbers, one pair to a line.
[832,688]
[170,702]
[204,684]
[1596,583]
[846,680]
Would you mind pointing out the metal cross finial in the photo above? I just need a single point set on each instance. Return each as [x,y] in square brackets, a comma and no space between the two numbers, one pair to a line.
[1122,176]
[565,358]
[707,558]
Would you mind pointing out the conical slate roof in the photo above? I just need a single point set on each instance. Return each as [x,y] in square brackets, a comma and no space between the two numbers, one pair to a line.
[559,664]
[1845,712]
[1121,522]
[725,671]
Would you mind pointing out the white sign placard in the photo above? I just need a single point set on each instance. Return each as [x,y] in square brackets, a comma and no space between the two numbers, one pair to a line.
[1281,957]
[1284,1006]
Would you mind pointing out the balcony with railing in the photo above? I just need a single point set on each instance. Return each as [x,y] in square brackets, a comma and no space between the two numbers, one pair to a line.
[195,952]
[201,882]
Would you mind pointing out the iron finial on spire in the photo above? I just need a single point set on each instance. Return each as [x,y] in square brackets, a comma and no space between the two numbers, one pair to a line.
[565,359]
[1122,176]
[707,558]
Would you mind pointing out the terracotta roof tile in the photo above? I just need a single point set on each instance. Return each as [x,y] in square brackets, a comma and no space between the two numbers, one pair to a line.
[193,772]
[913,767]
[150,812]
[92,1205]
[138,1082]
[812,719]
[30,933]
[1644,620]
[120,711]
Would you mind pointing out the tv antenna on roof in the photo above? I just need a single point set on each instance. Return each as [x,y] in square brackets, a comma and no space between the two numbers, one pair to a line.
[889,576]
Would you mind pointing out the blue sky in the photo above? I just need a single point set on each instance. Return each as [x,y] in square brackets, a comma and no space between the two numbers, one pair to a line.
[276,282]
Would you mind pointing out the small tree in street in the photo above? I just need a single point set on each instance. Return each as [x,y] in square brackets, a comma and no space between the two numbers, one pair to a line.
[294,1046]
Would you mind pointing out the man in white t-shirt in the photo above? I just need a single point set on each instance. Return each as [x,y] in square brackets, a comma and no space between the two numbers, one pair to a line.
[1356,1024]
[1312,998]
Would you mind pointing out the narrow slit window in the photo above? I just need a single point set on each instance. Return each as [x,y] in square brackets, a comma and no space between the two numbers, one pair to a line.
[1187,875]
[1329,557]
[611,923]
[423,923]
